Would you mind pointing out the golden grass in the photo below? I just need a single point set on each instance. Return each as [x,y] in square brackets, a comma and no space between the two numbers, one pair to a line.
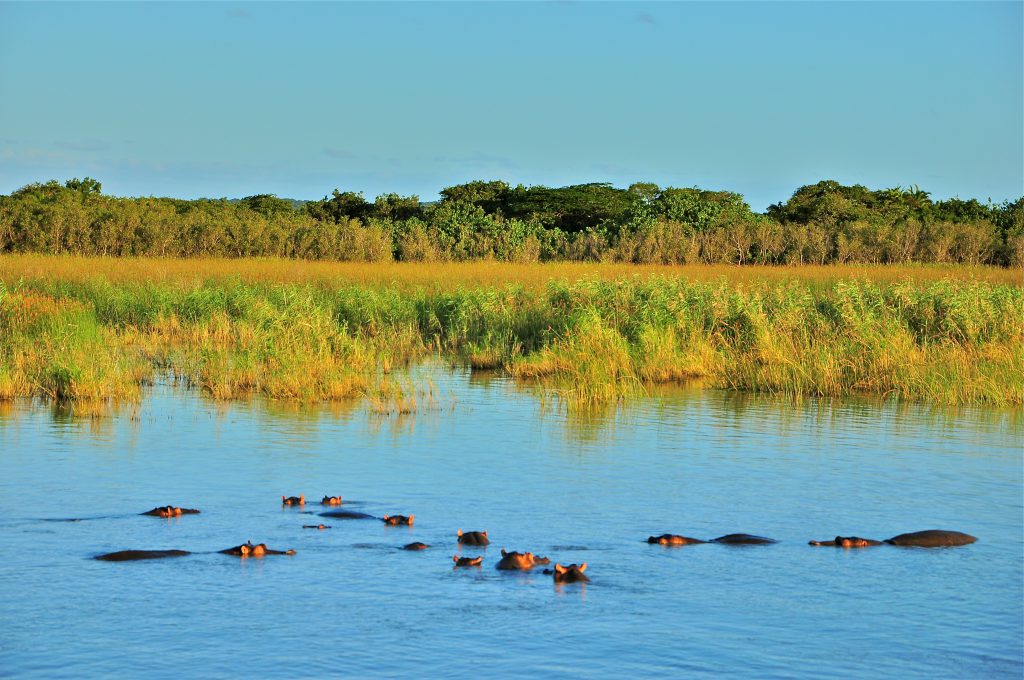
[454,275]
[91,331]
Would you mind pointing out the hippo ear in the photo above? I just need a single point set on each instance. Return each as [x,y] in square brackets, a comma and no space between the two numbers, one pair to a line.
[302,498]
[385,518]
[503,553]
[484,532]
[559,569]
[455,558]
[583,567]
[459,533]
[282,498]
[410,518]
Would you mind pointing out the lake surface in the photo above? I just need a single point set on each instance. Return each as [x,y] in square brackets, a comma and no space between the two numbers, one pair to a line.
[488,455]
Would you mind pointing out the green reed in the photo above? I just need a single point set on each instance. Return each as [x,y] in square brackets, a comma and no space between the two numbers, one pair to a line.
[590,341]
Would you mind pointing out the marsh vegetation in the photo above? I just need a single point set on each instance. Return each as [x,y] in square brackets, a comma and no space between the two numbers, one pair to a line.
[950,336]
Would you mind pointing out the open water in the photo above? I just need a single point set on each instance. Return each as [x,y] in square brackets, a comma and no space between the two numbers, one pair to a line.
[486,455]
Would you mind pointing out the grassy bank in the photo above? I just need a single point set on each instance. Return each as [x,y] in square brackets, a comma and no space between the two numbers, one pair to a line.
[595,334]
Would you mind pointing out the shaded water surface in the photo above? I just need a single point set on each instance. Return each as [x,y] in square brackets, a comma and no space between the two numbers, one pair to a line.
[486,456]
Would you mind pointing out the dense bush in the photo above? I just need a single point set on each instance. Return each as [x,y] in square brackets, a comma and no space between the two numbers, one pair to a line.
[821,223]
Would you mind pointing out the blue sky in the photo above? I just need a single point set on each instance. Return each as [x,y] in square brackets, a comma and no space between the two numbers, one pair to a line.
[234,99]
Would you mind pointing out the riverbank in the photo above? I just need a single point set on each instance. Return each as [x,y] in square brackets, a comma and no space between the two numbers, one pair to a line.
[93,331]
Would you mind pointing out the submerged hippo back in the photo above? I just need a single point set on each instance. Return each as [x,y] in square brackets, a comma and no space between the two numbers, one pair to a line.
[743,539]
[932,538]
[131,555]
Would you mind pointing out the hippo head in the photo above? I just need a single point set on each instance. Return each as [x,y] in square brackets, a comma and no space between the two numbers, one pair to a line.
[518,560]
[395,520]
[852,542]
[672,539]
[467,561]
[331,500]
[473,537]
[570,574]
[294,500]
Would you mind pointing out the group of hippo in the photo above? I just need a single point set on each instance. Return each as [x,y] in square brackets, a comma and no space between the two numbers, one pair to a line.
[523,561]
[930,538]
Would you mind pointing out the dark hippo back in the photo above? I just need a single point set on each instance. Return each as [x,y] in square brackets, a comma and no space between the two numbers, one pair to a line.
[130,555]
[743,539]
[346,514]
[932,538]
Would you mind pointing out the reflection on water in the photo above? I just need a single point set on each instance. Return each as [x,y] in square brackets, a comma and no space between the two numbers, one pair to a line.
[489,454]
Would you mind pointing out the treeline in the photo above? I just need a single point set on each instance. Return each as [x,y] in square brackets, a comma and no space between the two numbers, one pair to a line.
[820,224]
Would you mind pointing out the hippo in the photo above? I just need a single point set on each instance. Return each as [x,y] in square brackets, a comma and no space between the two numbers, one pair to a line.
[170,511]
[467,561]
[294,500]
[517,560]
[415,546]
[742,539]
[131,555]
[932,538]
[570,574]
[674,539]
[473,537]
[395,520]
[346,514]
[316,526]
[331,500]
[250,550]
[847,542]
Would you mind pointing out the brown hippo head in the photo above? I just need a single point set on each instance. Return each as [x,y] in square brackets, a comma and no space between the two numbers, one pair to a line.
[170,511]
[847,542]
[294,500]
[467,561]
[473,537]
[331,500]
[518,560]
[395,520]
[316,526]
[248,549]
[415,546]
[570,574]
[673,539]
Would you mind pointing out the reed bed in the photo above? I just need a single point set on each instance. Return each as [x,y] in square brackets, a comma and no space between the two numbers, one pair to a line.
[590,335]
[455,275]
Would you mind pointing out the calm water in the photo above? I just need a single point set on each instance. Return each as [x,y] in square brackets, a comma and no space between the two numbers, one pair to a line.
[701,463]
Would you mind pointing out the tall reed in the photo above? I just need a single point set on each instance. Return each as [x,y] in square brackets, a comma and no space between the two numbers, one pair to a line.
[591,340]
